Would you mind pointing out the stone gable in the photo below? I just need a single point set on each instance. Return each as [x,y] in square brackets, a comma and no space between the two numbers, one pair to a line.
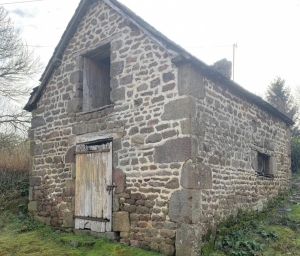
[185,146]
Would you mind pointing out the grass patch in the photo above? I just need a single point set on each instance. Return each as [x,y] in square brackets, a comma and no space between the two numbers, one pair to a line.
[294,214]
[20,235]
[288,241]
[270,233]
[40,243]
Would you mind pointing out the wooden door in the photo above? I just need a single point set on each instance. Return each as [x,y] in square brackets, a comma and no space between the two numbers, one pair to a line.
[93,194]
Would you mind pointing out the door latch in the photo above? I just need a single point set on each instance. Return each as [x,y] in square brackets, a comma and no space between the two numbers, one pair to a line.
[109,188]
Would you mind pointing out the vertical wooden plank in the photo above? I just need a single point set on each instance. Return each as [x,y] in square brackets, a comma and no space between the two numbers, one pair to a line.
[94,225]
[86,99]
[103,181]
[96,84]
[83,186]
[83,191]
[98,226]
[102,226]
[108,195]
[79,185]
[110,198]
[106,181]
[80,224]
[76,224]
[88,185]
[105,89]
[100,185]
[93,184]
[97,185]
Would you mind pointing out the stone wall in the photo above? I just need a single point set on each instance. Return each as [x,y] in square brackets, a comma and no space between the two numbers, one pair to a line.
[219,179]
[143,81]
[181,141]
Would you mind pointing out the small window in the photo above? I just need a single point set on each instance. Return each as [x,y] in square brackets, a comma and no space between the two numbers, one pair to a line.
[96,78]
[263,165]
[254,126]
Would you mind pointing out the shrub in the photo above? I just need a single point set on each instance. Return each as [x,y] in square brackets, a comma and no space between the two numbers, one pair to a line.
[14,161]
[295,154]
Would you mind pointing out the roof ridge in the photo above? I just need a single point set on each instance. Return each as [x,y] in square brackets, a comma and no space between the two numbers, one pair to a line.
[180,55]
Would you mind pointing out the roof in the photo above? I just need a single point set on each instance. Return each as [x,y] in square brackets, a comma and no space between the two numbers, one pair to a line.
[180,55]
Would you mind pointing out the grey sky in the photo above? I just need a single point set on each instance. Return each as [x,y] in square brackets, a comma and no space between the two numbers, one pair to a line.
[266,32]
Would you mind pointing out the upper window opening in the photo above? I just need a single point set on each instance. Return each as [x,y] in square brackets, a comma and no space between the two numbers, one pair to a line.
[96,78]
[254,126]
[263,165]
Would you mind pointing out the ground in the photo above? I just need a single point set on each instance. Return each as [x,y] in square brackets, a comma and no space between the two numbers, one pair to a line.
[273,232]
[20,235]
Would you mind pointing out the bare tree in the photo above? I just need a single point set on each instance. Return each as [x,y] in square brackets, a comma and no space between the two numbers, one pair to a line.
[17,65]
[12,117]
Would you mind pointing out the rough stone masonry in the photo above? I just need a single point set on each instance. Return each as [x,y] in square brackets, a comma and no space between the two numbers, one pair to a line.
[190,147]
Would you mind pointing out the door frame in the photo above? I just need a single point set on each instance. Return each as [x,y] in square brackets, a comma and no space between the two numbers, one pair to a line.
[94,183]
[98,137]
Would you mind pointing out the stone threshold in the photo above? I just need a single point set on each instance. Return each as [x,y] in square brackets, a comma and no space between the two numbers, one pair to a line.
[112,236]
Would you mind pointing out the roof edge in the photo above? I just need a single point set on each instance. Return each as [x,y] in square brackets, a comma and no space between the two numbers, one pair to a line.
[179,53]
[55,60]
[238,89]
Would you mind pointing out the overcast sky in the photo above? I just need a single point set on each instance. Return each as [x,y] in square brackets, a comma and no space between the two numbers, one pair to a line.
[266,32]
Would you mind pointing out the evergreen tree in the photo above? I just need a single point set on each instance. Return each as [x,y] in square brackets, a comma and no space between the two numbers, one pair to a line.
[278,94]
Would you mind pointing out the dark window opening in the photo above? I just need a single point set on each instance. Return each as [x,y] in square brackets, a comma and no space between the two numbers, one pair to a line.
[254,126]
[263,165]
[96,78]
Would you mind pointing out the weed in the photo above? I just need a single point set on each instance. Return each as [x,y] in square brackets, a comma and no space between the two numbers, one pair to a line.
[245,235]
[207,249]
[207,236]
[289,219]
[237,243]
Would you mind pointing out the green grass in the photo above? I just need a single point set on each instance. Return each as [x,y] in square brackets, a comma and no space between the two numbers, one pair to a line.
[294,214]
[21,235]
[39,243]
[271,233]
[288,242]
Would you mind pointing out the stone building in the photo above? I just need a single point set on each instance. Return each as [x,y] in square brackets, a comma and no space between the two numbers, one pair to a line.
[133,138]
